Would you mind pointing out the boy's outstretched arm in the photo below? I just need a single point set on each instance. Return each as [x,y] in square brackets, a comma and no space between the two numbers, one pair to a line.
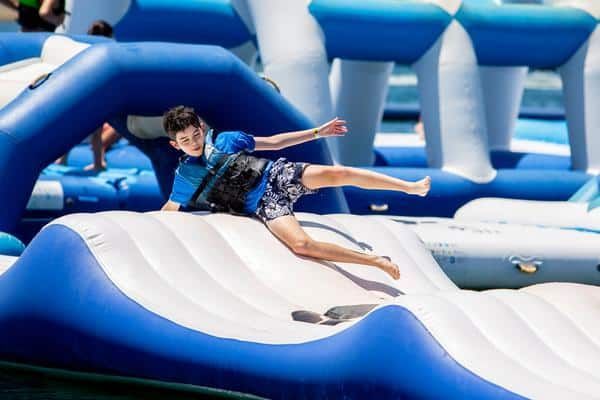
[335,127]
[170,206]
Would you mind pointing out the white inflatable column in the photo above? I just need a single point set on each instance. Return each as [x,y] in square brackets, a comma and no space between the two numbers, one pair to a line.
[502,93]
[246,52]
[452,107]
[581,83]
[81,14]
[359,90]
[292,51]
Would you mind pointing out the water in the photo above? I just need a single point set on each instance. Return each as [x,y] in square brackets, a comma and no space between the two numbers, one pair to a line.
[543,89]
[27,385]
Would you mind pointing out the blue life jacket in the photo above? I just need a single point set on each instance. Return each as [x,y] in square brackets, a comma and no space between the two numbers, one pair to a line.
[228,180]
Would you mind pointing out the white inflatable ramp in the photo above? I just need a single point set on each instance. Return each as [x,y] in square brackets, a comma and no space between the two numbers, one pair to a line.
[215,301]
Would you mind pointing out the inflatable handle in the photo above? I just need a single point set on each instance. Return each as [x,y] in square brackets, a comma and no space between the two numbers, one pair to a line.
[379,207]
[39,80]
[527,268]
[527,265]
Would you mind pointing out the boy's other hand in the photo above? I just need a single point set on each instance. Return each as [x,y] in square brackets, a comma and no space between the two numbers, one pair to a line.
[335,127]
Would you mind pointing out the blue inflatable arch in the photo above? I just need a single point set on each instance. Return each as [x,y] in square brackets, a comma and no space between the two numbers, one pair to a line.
[141,79]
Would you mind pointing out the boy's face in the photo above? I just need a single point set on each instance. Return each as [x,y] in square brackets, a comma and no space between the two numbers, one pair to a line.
[190,141]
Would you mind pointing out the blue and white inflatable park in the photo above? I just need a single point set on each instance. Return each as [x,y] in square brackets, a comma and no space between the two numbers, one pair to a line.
[500,263]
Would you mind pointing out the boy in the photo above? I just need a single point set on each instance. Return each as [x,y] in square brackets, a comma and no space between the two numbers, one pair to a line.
[222,176]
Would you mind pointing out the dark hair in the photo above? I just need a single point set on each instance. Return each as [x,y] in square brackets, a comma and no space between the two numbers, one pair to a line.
[178,119]
[100,28]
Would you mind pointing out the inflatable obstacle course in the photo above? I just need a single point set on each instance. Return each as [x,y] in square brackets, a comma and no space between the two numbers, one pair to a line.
[195,299]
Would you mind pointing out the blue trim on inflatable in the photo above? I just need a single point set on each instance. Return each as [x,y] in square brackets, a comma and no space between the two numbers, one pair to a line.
[502,159]
[376,30]
[415,157]
[199,22]
[411,112]
[533,35]
[449,192]
[221,88]
[10,245]
[587,192]
[89,325]
[18,46]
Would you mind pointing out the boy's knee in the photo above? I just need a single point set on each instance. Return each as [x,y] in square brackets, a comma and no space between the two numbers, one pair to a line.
[338,174]
[302,246]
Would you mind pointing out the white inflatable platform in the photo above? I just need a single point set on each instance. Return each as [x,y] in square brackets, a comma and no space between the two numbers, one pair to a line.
[215,301]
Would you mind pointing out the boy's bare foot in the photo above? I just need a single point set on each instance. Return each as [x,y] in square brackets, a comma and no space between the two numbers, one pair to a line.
[421,188]
[62,160]
[93,167]
[386,265]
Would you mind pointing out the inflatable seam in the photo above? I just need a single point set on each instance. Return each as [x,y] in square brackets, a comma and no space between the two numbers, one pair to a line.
[169,285]
[539,333]
[214,221]
[139,294]
[594,340]
[513,359]
[583,375]
[219,282]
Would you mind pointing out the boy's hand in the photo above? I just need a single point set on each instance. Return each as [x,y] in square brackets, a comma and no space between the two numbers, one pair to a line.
[335,127]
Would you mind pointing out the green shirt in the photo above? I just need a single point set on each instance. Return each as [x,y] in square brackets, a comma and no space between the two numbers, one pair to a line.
[31,3]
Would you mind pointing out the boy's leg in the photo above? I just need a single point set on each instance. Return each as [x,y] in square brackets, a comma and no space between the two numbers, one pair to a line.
[318,176]
[109,136]
[287,229]
[99,162]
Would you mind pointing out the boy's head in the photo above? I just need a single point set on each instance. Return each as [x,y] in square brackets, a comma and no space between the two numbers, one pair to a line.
[185,129]
[100,28]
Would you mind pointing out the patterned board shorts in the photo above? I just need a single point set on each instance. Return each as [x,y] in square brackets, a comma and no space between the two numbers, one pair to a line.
[284,188]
